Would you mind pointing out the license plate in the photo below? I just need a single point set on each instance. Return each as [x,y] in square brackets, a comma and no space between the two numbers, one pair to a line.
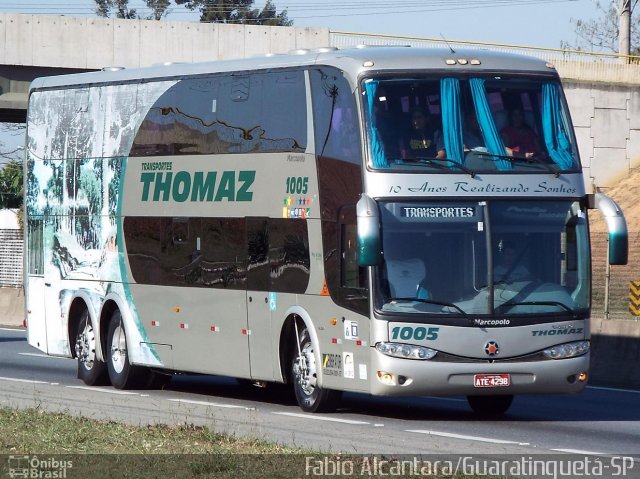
[491,380]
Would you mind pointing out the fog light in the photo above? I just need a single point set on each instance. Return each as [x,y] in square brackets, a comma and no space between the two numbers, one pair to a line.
[583,376]
[386,378]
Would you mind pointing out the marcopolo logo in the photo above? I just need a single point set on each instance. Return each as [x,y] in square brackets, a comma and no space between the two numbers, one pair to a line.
[181,186]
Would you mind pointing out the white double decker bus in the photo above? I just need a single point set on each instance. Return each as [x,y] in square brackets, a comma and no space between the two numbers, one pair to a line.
[392,221]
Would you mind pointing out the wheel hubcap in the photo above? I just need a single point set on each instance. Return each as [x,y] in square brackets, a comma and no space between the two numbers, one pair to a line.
[86,346]
[118,349]
[305,370]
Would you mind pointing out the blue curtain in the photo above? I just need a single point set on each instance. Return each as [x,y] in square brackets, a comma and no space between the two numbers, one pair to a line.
[488,128]
[451,118]
[556,137]
[377,150]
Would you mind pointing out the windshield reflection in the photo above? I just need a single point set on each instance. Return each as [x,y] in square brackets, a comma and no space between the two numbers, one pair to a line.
[481,124]
[467,258]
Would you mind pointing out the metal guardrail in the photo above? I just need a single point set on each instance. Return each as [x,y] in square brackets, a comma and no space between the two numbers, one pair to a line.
[10,257]
[571,64]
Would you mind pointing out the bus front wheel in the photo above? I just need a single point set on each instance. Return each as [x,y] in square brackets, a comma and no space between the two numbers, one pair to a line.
[122,373]
[490,405]
[91,370]
[310,396]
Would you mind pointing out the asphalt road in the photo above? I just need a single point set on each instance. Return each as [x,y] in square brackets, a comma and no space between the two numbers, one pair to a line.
[601,421]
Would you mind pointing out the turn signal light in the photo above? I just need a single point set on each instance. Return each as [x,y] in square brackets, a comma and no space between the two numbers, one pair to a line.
[386,378]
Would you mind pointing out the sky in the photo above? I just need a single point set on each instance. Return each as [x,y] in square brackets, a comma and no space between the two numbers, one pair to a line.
[543,23]
[540,23]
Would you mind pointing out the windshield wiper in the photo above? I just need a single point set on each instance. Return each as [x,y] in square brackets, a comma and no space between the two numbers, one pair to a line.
[516,159]
[509,304]
[432,301]
[438,163]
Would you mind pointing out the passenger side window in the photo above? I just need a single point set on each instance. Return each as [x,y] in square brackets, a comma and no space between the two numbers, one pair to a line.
[337,134]
[227,113]
[353,278]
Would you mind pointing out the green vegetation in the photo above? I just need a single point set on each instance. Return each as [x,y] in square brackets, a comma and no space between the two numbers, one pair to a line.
[110,449]
[56,445]
[34,430]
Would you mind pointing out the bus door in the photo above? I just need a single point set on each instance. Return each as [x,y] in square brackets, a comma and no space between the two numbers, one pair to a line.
[258,310]
[35,285]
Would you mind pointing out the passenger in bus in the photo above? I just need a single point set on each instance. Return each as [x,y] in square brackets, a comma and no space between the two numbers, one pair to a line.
[519,138]
[509,268]
[419,141]
[471,139]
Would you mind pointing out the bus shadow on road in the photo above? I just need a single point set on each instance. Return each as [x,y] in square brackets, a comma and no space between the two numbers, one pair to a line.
[586,406]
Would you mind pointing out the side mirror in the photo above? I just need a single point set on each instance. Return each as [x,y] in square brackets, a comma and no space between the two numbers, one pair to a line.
[617,226]
[368,220]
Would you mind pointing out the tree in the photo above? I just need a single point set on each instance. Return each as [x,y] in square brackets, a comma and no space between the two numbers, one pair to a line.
[238,11]
[158,8]
[602,33]
[11,185]
[104,8]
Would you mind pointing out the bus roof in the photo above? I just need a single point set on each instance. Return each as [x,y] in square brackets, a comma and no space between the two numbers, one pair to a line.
[353,61]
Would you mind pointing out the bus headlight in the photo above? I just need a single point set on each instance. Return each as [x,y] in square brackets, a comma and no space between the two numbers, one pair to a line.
[567,350]
[406,351]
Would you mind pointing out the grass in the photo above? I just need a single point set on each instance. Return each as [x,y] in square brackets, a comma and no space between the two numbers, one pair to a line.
[110,449]
[107,449]
[34,430]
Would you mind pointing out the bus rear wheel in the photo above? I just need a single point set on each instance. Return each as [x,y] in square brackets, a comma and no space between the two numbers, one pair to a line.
[310,396]
[122,373]
[91,370]
[490,405]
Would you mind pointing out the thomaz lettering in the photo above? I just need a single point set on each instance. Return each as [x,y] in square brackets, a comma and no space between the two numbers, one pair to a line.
[181,186]
[556,332]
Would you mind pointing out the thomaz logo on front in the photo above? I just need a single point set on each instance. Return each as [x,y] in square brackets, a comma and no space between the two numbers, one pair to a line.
[181,186]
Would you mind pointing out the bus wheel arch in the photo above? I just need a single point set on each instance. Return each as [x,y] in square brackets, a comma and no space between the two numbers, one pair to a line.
[122,374]
[302,366]
[84,343]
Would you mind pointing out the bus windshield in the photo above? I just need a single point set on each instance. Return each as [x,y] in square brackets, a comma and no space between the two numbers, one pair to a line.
[461,125]
[497,258]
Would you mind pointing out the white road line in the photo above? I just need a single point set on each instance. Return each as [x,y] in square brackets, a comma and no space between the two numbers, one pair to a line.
[462,436]
[13,329]
[320,418]
[212,404]
[614,389]
[42,355]
[18,380]
[447,399]
[577,451]
[102,390]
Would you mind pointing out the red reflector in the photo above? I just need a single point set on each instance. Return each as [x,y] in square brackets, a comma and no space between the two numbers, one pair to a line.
[359,343]
[181,325]
[334,340]
[244,331]
[24,323]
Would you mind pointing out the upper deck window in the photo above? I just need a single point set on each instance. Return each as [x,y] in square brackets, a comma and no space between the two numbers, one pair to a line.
[488,124]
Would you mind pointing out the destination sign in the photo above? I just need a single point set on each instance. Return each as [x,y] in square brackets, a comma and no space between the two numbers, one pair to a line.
[435,213]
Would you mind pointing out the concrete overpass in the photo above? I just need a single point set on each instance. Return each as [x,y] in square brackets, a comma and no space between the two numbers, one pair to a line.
[603,93]
[37,45]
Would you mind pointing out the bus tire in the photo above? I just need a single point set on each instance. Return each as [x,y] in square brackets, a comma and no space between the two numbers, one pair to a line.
[310,396]
[490,405]
[91,370]
[122,373]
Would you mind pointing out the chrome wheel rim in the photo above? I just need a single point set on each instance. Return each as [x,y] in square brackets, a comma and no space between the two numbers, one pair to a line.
[305,370]
[118,349]
[86,346]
